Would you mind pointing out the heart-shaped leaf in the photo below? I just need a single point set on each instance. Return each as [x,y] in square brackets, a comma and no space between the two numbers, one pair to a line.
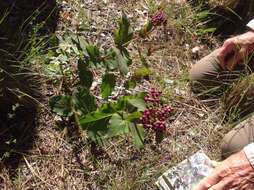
[83,102]
[118,126]
[61,105]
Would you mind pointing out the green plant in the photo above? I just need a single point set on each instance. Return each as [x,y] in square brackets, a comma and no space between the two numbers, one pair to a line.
[111,119]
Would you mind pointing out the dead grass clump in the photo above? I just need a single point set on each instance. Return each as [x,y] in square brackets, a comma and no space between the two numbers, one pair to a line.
[239,99]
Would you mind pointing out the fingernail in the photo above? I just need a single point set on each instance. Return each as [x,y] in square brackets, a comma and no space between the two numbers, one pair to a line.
[208,185]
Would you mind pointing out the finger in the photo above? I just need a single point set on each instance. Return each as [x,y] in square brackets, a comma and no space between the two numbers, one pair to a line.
[227,48]
[224,184]
[221,57]
[246,187]
[202,186]
[209,181]
[231,62]
[241,56]
[250,49]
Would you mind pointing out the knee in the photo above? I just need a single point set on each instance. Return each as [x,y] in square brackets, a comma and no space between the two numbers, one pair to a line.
[235,140]
[195,74]
[207,67]
[229,146]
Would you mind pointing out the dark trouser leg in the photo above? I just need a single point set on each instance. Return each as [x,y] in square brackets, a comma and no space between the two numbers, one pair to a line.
[240,136]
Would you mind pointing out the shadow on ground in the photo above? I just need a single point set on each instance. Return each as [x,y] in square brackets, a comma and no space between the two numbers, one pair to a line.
[230,18]
[18,110]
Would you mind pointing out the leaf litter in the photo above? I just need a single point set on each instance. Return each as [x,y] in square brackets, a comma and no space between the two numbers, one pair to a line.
[59,159]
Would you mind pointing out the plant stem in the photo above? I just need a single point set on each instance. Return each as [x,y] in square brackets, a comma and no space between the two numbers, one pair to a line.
[82,132]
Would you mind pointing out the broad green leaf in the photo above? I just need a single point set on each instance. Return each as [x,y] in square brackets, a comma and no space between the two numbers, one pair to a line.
[85,76]
[106,111]
[125,33]
[83,102]
[96,123]
[137,132]
[123,60]
[94,58]
[138,103]
[117,126]
[95,116]
[108,84]
[97,131]
[123,103]
[61,105]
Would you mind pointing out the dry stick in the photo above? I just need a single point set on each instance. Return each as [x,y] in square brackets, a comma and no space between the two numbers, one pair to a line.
[34,173]
[25,182]
[27,95]
[191,106]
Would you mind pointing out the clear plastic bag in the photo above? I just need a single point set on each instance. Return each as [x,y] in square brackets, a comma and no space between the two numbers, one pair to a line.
[187,174]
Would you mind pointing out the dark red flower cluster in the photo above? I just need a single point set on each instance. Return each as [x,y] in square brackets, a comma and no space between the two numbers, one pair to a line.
[155,116]
[159,19]
[153,96]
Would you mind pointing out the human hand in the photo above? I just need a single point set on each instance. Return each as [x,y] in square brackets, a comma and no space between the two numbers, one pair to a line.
[235,50]
[234,173]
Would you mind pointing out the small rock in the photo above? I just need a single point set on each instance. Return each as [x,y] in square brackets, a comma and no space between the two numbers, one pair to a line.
[195,49]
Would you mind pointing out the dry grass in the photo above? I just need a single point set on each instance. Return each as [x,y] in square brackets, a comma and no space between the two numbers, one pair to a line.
[59,159]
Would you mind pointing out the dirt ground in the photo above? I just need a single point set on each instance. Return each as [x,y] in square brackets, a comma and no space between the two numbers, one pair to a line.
[56,157]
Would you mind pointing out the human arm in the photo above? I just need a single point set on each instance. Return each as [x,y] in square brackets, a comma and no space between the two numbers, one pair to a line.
[235,49]
[234,173]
